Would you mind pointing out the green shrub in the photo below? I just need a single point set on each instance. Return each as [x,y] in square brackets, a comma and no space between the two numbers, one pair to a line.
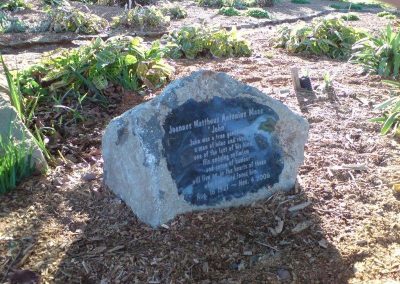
[300,1]
[212,3]
[143,18]
[238,4]
[257,13]
[112,2]
[65,19]
[54,2]
[350,17]
[386,15]
[10,24]
[391,17]
[194,41]
[15,163]
[13,5]
[326,36]
[391,111]
[72,77]
[229,11]
[380,54]
[174,11]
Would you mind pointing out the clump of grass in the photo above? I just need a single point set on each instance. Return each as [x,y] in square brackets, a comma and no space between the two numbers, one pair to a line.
[174,11]
[143,18]
[350,17]
[390,118]
[380,54]
[229,11]
[300,1]
[68,19]
[195,41]
[257,13]
[326,36]
[15,157]
[15,163]
[25,106]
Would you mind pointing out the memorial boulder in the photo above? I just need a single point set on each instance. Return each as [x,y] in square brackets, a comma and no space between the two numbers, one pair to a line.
[208,141]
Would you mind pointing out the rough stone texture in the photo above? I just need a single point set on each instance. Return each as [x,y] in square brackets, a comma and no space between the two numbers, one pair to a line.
[157,184]
[9,118]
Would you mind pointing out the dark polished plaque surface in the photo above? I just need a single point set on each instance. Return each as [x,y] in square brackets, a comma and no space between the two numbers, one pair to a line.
[223,148]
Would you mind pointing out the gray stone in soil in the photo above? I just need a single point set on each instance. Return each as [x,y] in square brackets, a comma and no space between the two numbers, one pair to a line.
[208,141]
[11,124]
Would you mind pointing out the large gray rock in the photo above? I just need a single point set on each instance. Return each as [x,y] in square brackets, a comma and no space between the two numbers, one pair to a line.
[11,124]
[208,141]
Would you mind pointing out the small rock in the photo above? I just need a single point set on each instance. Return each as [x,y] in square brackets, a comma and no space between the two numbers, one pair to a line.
[248,253]
[362,242]
[89,177]
[283,274]
[323,243]
[241,265]
[205,267]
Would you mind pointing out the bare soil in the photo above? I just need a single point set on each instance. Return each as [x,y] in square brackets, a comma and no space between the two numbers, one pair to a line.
[68,228]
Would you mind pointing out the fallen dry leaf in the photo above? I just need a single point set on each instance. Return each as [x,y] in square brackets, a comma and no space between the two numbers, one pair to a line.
[301,226]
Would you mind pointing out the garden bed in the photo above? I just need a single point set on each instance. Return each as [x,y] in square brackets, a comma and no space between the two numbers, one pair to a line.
[67,227]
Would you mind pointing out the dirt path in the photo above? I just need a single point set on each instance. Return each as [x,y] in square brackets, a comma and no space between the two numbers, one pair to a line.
[70,229]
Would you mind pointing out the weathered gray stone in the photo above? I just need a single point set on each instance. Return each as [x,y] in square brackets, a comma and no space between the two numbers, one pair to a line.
[11,124]
[208,141]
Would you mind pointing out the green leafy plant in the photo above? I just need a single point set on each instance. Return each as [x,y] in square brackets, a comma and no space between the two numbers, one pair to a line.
[71,77]
[328,82]
[25,107]
[15,163]
[380,54]
[390,118]
[54,2]
[257,13]
[386,15]
[69,19]
[143,18]
[15,156]
[194,41]
[174,11]
[326,36]
[238,4]
[300,1]
[350,17]
[229,11]
[10,24]
[13,5]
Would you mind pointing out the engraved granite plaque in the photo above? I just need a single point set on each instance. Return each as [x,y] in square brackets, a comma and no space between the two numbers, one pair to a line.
[224,148]
[208,141]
